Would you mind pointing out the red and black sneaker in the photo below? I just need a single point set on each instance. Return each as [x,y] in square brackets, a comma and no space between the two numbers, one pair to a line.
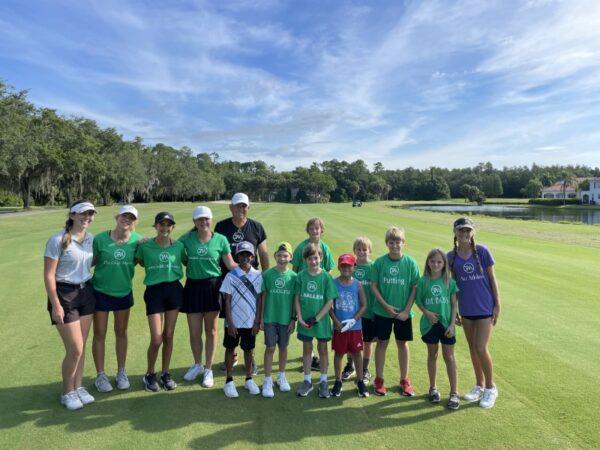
[378,386]
[406,389]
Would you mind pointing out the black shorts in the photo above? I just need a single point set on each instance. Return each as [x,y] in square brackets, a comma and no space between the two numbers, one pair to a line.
[244,335]
[402,328]
[77,301]
[200,296]
[163,297]
[105,302]
[485,316]
[436,334]
[368,329]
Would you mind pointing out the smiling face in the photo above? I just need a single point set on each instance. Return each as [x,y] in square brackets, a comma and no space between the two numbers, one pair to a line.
[164,228]
[346,270]
[282,258]
[464,235]
[245,260]
[239,212]
[315,231]
[362,253]
[395,247]
[436,265]
[83,220]
[313,262]
[203,223]
[126,221]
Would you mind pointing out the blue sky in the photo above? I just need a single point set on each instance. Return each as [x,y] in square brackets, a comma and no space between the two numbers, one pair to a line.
[407,83]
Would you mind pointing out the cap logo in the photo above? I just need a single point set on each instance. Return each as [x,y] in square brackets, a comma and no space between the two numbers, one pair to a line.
[311,286]
[164,257]
[394,271]
[469,268]
[436,290]
[279,283]
[119,254]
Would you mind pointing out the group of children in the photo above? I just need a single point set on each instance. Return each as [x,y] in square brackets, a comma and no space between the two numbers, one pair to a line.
[360,307]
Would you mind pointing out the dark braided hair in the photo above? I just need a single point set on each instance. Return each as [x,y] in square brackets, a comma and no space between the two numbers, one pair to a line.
[474,248]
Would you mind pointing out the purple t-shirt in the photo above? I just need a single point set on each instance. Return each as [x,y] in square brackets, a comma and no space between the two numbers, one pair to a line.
[475,297]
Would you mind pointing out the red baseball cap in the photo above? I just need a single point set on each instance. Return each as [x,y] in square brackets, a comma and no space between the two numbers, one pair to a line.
[347,258]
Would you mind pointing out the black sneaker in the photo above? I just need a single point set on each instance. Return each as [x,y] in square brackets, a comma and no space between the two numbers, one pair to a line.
[348,371]
[362,389]
[434,395]
[454,402]
[150,383]
[167,382]
[336,391]
[315,365]
[366,376]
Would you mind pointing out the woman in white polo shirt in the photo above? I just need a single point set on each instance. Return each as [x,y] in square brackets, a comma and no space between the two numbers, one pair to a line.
[67,263]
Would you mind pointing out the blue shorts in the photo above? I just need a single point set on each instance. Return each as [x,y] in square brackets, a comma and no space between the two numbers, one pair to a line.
[105,302]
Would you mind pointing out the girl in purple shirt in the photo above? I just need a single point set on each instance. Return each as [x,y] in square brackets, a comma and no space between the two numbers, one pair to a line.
[479,306]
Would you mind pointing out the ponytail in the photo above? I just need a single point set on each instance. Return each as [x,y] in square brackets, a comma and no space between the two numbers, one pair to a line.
[66,239]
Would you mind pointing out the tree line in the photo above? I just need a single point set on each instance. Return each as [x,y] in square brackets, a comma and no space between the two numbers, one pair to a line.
[48,159]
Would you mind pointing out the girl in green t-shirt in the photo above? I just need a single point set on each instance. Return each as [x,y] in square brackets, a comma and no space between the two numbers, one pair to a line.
[436,298]
[114,261]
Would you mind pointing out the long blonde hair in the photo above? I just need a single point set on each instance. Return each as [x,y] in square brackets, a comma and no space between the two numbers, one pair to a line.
[445,270]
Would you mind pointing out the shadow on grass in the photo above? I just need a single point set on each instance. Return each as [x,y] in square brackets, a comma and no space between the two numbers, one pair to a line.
[220,421]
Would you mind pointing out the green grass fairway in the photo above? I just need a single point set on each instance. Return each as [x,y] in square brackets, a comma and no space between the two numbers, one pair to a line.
[545,348]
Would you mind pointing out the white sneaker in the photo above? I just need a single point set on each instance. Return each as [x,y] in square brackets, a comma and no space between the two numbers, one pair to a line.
[85,397]
[474,394]
[208,379]
[122,380]
[193,372]
[102,383]
[282,381]
[230,390]
[251,387]
[71,401]
[489,398]
[267,388]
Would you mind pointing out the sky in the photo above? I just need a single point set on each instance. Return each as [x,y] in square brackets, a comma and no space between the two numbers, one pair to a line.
[406,83]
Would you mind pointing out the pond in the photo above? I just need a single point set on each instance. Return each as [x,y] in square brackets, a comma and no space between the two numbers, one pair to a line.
[586,216]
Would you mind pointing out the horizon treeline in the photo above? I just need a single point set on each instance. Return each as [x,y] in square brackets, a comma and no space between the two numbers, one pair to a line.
[48,159]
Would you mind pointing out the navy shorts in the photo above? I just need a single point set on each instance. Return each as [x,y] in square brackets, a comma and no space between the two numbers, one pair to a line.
[77,300]
[105,302]
[163,297]
[486,316]
[305,338]
[244,339]
[368,330]
[384,325]
[436,334]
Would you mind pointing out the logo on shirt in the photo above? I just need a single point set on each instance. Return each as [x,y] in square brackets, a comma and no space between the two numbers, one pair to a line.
[164,257]
[279,283]
[436,290]
[359,273]
[238,236]
[394,271]
[119,254]
[311,286]
[202,251]
[468,268]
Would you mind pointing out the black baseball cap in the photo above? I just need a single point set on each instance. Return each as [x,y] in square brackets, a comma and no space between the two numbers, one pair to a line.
[164,216]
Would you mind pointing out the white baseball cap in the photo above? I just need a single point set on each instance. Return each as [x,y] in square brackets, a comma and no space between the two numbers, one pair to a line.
[82,207]
[129,209]
[202,212]
[240,198]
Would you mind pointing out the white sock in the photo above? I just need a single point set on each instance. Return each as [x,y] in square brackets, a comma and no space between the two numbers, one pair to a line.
[281,374]
[268,377]
[323,377]
[307,378]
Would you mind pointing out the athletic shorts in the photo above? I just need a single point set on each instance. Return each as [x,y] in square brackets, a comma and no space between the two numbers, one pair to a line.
[486,316]
[368,330]
[200,296]
[350,341]
[305,338]
[105,302]
[384,325]
[244,337]
[77,301]
[163,297]
[276,334]
[436,334]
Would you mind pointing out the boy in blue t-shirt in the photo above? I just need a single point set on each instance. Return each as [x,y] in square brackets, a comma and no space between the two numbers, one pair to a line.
[346,313]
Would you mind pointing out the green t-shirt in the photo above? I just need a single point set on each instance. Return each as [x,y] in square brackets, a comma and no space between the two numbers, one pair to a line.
[203,258]
[395,279]
[279,288]
[363,274]
[315,291]
[436,297]
[327,262]
[114,264]
[162,264]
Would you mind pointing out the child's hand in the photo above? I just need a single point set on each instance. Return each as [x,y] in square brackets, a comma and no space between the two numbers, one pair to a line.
[231,330]
[458,321]
[310,322]
[262,325]
[392,311]
[402,315]
[291,326]
[255,329]
[432,317]
[337,324]
[495,314]
[449,331]
[303,323]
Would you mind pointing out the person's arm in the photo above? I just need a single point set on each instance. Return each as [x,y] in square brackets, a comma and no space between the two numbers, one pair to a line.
[231,330]
[324,310]
[263,296]
[263,255]
[495,293]
[362,299]
[405,313]
[454,302]
[50,265]
[336,323]
[258,325]
[298,309]
[228,261]
[392,311]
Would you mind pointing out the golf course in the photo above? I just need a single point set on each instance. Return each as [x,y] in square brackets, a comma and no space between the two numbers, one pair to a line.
[545,348]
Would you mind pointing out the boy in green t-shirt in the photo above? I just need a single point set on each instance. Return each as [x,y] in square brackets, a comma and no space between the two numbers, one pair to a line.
[394,280]
[277,319]
[315,292]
